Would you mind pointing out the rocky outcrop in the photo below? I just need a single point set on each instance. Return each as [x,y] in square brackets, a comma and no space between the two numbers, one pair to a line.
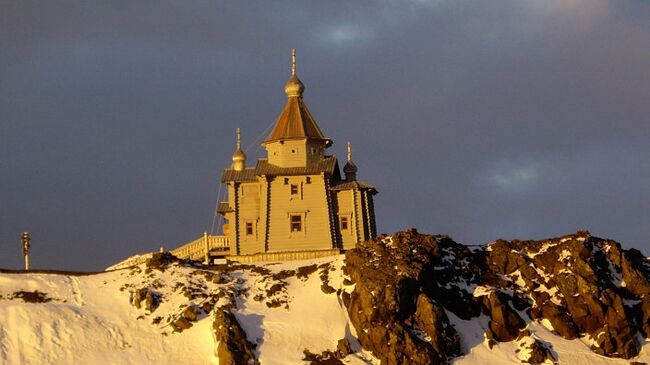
[580,285]
[505,323]
[233,347]
[392,306]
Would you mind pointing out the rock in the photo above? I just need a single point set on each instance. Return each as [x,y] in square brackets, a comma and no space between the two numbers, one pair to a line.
[578,284]
[343,347]
[383,307]
[233,347]
[207,307]
[505,323]
[305,271]
[32,296]
[431,318]
[327,289]
[160,261]
[181,324]
[326,358]
[147,298]
[540,353]
[191,313]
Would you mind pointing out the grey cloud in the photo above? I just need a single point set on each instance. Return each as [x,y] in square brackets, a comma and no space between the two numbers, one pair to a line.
[482,120]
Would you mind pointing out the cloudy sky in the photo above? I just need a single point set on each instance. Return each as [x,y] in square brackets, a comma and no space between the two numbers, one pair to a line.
[505,119]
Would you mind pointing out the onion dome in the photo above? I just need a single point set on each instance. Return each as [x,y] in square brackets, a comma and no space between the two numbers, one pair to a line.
[294,86]
[239,157]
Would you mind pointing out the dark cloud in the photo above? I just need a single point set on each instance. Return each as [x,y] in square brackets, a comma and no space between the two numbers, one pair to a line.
[483,120]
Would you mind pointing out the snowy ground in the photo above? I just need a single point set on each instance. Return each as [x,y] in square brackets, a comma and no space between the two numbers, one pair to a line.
[90,320]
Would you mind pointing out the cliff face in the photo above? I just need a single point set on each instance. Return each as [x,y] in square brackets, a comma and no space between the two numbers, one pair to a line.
[578,286]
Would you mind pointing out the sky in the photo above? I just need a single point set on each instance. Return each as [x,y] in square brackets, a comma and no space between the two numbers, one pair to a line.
[512,119]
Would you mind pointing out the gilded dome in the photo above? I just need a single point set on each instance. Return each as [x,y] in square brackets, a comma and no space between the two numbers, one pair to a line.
[294,86]
[239,155]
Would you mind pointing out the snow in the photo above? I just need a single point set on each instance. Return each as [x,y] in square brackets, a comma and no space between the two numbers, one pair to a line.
[575,352]
[90,320]
[131,261]
[315,325]
[481,290]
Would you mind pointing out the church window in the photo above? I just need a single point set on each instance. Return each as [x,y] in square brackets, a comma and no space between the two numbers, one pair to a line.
[296,222]
[249,228]
[344,223]
[294,189]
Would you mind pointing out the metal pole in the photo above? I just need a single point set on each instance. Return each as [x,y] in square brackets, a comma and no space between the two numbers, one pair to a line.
[25,243]
[207,248]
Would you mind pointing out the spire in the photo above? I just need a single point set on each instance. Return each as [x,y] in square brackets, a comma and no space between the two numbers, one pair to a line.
[239,157]
[295,121]
[350,169]
[349,152]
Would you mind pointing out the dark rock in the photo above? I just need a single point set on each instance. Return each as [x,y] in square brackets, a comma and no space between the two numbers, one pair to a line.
[147,298]
[431,318]
[343,347]
[540,352]
[207,306]
[284,274]
[161,260]
[505,323]
[233,347]
[32,296]
[191,313]
[326,358]
[181,324]
[389,279]
[579,283]
[274,289]
[327,289]
[305,271]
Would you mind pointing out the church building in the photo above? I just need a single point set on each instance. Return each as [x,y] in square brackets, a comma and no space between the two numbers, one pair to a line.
[295,199]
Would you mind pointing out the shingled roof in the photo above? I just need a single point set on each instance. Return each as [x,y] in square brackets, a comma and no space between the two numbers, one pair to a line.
[296,122]
[326,165]
[247,174]
[352,185]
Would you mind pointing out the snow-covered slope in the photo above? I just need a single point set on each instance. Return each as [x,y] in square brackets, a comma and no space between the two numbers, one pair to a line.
[284,308]
[90,319]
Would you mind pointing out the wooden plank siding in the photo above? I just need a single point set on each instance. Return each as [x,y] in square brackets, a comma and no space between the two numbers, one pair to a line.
[310,202]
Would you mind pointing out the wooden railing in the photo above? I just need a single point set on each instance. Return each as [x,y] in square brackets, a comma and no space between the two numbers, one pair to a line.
[197,249]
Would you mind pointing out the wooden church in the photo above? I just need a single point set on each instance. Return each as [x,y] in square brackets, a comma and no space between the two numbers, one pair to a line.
[293,204]
[295,199]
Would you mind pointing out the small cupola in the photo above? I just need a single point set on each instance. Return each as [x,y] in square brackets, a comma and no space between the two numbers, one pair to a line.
[350,169]
[239,157]
[294,87]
